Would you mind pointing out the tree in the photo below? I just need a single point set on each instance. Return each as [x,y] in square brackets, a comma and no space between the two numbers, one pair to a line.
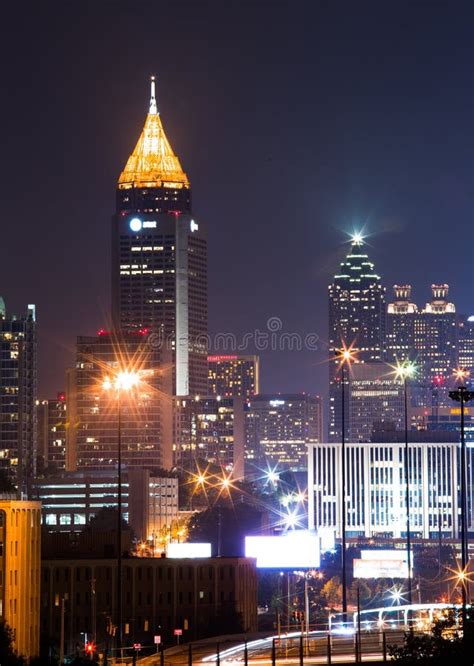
[332,592]
[8,655]
[443,645]
[105,520]
[235,521]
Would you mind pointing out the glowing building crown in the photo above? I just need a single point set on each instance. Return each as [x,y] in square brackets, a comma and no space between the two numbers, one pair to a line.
[153,162]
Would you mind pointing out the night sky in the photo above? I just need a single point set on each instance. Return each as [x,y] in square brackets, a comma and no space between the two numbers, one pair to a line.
[296,123]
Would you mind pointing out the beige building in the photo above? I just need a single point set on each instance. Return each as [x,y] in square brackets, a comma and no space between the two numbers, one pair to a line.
[20,561]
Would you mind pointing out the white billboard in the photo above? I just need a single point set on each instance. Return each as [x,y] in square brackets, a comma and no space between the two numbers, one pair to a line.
[297,549]
[189,550]
[382,564]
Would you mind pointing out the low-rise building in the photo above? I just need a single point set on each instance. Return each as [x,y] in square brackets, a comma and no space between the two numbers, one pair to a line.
[203,597]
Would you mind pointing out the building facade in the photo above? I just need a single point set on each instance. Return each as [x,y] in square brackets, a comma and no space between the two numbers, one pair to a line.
[375,499]
[356,320]
[52,424]
[69,501]
[375,400]
[233,376]
[200,596]
[93,411]
[279,429]
[211,429]
[428,337]
[18,392]
[20,561]
[159,257]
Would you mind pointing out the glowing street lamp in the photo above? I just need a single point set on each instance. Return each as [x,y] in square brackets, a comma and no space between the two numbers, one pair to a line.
[403,372]
[123,382]
[345,356]
[463,395]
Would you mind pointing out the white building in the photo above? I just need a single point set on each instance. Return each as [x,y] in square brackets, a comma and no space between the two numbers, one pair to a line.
[375,488]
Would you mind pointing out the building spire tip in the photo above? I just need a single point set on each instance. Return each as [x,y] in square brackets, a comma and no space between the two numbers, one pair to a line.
[153,108]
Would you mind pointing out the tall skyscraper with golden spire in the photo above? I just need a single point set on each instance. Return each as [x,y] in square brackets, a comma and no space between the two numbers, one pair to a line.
[159,256]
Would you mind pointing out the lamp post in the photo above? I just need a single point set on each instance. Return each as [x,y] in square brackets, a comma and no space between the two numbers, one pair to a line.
[123,381]
[463,395]
[404,371]
[345,357]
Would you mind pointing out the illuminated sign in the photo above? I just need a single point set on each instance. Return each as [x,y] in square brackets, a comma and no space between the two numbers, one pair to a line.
[189,550]
[276,403]
[135,224]
[194,226]
[382,564]
[149,224]
[297,549]
[218,359]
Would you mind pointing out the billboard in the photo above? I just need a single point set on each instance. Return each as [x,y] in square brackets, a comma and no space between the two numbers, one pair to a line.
[297,549]
[382,564]
[189,550]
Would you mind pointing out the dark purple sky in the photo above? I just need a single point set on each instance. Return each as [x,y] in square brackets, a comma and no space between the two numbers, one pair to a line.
[296,122]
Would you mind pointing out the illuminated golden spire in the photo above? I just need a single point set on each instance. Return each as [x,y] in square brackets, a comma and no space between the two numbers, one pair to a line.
[153,163]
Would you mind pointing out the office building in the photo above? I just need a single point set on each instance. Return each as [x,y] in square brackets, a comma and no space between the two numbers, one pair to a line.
[159,257]
[18,389]
[233,376]
[279,429]
[93,411]
[211,429]
[429,338]
[202,597]
[356,320]
[20,560]
[375,398]
[69,501]
[466,344]
[375,487]
[52,424]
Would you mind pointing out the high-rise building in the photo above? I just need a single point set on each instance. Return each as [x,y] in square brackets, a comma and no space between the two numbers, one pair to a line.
[159,257]
[429,338]
[211,429]
[279,429]
[232,375]
[466,344]
[93,412]
[52,423]
[20,561]
[356,320]
[18,388]
[375,399]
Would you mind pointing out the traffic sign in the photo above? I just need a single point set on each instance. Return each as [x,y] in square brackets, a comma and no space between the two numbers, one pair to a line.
[157,640]
[137,646]
[178,632]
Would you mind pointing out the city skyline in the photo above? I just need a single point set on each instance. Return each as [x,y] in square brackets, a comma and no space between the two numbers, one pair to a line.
[393,177]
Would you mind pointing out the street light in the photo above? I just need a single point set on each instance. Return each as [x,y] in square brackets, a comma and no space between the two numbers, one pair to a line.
[123,382]
[405,371]
[345,356]
[463,395]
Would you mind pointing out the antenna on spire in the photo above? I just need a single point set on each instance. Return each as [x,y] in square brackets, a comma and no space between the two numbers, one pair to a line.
[153,107]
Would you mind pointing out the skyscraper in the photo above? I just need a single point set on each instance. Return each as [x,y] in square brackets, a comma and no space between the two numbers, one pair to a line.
[356,319]
[52,423]
[159,257]
[18,387]
[429,337]
[233,375]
